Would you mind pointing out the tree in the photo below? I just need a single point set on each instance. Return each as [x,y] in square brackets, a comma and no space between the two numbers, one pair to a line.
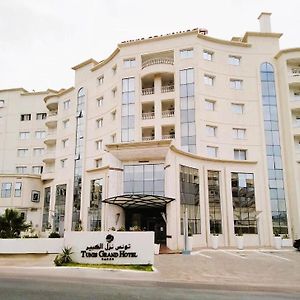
[11,224]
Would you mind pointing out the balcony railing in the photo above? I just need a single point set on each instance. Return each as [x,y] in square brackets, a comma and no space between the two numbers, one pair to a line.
[296,72]
[147,138]
[148,115]
[53,113]
[148,91]
[168,136]
[167,113]
[167,88]
[157,61]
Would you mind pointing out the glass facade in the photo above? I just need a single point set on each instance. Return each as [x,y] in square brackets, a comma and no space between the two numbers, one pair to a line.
[215,216]
[47,196]
[187,110]
[95,204]
[127,109]
[144,179]
[243,202]
[275,169]
[59,210]
[189,199]
[78,158]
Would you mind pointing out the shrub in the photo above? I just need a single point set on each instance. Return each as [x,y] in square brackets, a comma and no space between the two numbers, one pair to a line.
[54,235]
[64,257]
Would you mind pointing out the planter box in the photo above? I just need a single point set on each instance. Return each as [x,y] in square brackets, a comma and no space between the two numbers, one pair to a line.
[277,242]
[156,249]
[287,243]
[240,242]
[215,241]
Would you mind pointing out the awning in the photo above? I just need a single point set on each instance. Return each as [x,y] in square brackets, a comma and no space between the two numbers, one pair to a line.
[134,201]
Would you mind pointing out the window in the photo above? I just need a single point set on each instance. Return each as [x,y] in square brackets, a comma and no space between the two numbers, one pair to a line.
[240,154]
[21,170]
[99,123]
[99,145]
[114,69]
[100,101]
[129,63]
[22,152]
[24,135]
[63,163]
[236,84]
[239,133]
[60,206]
[6,190]
[207,55]
[215,215]
[212,151]
[210,105]
[41,116]
[297,119]
[67,104]
[18,188]
[25,117]
[40,134]
[113,138]
[243,203]
[189,199]
[211,130]
[66,123]
[38,151]
[95,204]
[186,53]
[114,92]
[234,60]
[113,115]
[209,80]
[37,169]
[237,108]
[65,143]
[98,162]
[2,103]
[101,80]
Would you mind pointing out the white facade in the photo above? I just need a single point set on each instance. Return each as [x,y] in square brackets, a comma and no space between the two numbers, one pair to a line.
[179,103]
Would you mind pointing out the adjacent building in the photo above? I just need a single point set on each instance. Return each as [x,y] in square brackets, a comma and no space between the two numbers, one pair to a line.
[166,127]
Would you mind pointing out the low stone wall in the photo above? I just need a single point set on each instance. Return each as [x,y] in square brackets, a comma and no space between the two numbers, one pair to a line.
[28,245]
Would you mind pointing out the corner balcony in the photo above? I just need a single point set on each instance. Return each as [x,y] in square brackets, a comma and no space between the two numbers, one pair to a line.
[148,134]
[49,157]
[168,132]
[51,120]
[48,174]
[51,103]
[158,61]
[294,78]
[50,138]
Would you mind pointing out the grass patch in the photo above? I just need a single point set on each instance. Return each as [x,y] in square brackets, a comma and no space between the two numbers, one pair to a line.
[147,268]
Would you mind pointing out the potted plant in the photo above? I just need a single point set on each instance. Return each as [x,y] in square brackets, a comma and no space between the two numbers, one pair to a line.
[240,239]
[286,241]
[277,240]
[215,240]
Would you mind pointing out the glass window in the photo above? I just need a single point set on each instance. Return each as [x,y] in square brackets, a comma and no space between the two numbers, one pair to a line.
[59,209]
[99,144]
[38,151]
[66,123]
[95,204]
[25,117]
[2,103]
[99,123]
[63,163]
[41,116]
[129,63]
[212,151]
[67,104]
[243,201]
[240,154]
[100,80]
[18,188]
[211,130]
[37,169]
[40,134]
[236,84]
[234,60]
[186,53]
[22,152]
[6,190]
[98,163]
[24,135]
[65,143]
[207,55]
[215,214]
[21,170]
[209,80]
[210,105]
[100,101]
[237,108]
[239,133]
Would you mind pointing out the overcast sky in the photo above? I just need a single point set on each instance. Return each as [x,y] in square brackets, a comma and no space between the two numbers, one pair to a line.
[41,40]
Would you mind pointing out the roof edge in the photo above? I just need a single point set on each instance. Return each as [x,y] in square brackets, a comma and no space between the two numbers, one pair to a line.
[106,60]
[60,93]
[261,34]
[224,42]
[85,63]
[14,90]
[288,50]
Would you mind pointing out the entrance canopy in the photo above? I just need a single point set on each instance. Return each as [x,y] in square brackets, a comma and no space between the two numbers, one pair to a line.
[134,201]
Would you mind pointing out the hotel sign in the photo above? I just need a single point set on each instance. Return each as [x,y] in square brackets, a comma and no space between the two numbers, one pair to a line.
[111,247]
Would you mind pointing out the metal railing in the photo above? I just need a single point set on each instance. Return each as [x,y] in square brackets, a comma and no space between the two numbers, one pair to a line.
[147,138]
[148,115]
[168,136]
[148,91]
[167,88]
[157,61]
[168,113]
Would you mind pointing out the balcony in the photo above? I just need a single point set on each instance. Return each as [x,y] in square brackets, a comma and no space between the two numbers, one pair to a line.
[51,121]
[168,132]
[158,61]
[148,115]
[148,134]
[296,130]
[49,157]
[48,174]
[51,103]
[148,91]
[167,88]
[294,78]
[167,108]
[50,138]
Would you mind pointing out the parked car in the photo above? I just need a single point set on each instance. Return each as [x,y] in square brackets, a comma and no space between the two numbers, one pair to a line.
[297,244]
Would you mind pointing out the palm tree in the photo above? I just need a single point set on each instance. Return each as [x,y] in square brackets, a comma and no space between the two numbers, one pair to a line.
[11,224]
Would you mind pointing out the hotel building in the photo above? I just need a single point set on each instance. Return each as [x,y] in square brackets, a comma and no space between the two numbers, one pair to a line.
[169,125]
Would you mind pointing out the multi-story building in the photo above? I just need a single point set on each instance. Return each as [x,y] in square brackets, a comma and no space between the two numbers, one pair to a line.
[167,128]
